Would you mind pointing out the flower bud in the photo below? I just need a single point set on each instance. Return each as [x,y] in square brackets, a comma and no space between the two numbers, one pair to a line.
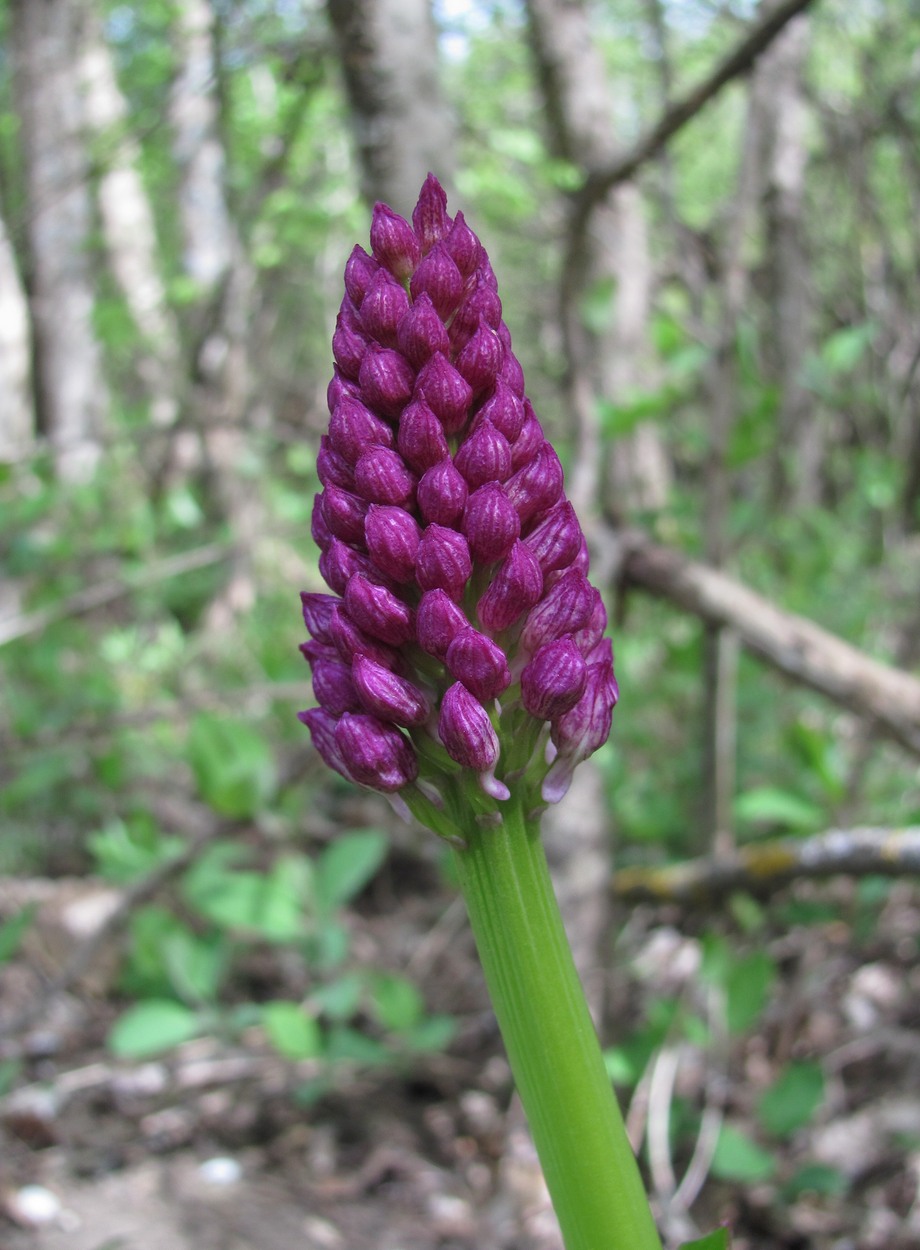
[505,411]
[580,731]
[392,538]
[443,561]
[353,428]
[481,303]
[445,392]
[441,495]
[388,696]
[339,388]
[386,379]
[590,634]
[381,477]
[321,725]
[313,651]
[421,441]
[438,620]
[529,441]
[490,523]
[466,731]
[378,612]
[515,588]
[394,242]
[422,333]
[512,373]
[385,304]
[463,246]
[378,755]
[344,514]
[554,680]
[479,663]
[339,562]
[333,687]
[359,271]
[319,530]
[566,608]
[438,278]
[481,359]
[317,614]
[556,539]
[430,219]
[484,457]
[331,468]
[536,486]
[349,343]
[350,641]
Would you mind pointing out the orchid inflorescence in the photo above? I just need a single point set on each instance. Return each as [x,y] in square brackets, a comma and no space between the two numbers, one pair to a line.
[462,639]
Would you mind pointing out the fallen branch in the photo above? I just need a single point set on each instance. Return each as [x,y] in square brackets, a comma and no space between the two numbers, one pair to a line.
[796,646]
[92,597]
[767,866]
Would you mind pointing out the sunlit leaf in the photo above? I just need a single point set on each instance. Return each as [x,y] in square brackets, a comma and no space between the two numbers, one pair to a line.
[347,864]
[792,1099]
[151,1027]
[738,1158]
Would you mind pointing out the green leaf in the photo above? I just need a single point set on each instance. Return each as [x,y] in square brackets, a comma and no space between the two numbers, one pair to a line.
[12,932]
[151,1027]
[719,1240]
[431,1034]
[747,988]
[291,1030]
[339,999]
[597,305]
[842,352]
[396,1003]
[196,966]
[126,852]
[346,866]
[738,1158]
[816,1178]
[273,905]
[232,763]
[345,1044]
[792,1099]
[768,805]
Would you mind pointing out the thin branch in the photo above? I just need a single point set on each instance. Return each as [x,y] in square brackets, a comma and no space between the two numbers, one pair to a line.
[738,61]
[600,181]
[92,597]
[768,866]
[796,646]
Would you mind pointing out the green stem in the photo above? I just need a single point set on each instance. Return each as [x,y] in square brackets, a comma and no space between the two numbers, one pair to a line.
[555,1055]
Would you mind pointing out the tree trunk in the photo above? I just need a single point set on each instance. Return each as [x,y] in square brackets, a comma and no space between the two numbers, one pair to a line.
[207,231]
[781,72]
[17,417]
[128,225]
[402,126]
[71,392]
[215,260]
[579,109]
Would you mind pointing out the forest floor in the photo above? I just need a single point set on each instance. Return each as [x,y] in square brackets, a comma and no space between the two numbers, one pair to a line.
[210,1149]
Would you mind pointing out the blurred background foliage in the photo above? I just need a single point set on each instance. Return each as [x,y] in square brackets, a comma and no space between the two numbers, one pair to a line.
[150,622]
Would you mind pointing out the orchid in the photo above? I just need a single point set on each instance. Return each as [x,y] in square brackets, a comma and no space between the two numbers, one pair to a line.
[460,664]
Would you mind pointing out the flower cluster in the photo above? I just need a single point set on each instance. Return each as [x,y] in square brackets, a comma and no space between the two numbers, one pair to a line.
[462,637]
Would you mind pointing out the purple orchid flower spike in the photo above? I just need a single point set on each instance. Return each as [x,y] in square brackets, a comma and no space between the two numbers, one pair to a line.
[459,664]
[461,644]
